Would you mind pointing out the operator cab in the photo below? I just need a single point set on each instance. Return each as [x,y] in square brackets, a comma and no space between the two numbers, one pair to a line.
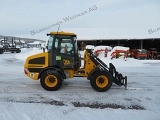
[63,50]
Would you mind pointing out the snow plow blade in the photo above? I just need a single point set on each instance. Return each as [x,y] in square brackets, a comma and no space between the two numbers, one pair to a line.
[118,78]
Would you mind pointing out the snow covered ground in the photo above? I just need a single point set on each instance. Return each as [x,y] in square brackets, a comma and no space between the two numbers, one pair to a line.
[24,99]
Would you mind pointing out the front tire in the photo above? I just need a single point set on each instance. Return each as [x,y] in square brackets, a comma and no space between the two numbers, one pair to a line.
[101,81]
[51,81]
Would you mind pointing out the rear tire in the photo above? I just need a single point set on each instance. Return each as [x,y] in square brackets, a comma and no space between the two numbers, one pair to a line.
[101,81]
[51,80]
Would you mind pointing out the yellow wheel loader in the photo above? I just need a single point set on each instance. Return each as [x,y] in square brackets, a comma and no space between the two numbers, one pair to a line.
[62,61]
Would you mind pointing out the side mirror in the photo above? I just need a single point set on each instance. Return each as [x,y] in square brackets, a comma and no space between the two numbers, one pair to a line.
[47,47]
[43,49]
[75,39]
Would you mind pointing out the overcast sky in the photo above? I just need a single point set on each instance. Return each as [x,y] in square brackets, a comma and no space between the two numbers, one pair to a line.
[92,19]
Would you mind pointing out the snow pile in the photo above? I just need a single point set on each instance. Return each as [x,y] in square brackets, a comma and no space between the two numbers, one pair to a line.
[110,50]
[119,62]
[90,47]
[120,48]
[36,42]
[103,48]
[130,62]
[26,52]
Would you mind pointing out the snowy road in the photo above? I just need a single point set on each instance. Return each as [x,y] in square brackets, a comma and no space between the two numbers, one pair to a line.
[23,98]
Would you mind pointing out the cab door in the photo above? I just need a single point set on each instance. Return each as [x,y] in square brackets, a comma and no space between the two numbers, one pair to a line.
[64,53]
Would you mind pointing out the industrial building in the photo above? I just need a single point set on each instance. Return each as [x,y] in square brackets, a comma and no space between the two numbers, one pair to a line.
[131,43]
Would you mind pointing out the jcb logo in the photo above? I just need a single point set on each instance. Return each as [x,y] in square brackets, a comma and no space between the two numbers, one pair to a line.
[66,62]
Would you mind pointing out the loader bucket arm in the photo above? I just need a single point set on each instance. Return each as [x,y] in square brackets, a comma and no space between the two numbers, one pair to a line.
[117,77]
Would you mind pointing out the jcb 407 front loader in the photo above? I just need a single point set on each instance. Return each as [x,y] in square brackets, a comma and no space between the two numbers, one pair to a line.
[63,61]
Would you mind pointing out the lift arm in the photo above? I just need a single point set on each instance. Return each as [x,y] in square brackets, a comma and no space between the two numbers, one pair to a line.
[118,78]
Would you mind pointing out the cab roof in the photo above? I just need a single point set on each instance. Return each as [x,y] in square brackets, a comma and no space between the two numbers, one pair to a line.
[62,33]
